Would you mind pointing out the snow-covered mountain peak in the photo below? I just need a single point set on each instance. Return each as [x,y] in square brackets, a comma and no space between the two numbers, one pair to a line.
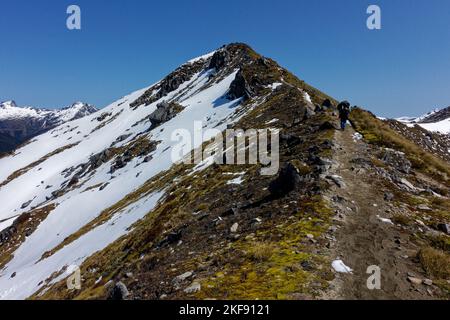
[18,124]
[10,110]
[8,104]
[75,111]
[75,173]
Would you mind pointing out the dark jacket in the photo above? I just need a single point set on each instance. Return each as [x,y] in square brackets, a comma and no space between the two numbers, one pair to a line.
[344,113]
[344,110]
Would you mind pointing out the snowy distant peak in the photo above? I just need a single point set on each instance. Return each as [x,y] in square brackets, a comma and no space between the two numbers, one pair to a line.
[76,111]
[8,104]
[422,118]
[10,110]
[437,120]
[18,124]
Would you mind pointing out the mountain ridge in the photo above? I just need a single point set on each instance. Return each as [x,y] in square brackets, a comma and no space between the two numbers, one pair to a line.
[104,194]
[437,120]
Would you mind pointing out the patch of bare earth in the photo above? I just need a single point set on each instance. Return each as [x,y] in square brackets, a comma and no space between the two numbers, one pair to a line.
[363,238]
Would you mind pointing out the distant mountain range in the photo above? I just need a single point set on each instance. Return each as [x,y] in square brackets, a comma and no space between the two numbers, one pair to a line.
[19,124]
[437,120]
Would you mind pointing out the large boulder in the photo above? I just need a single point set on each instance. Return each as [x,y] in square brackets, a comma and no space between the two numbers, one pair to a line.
[397,160]
[287,180]
[326,104]
[164,112]
[444,227]
[118,292]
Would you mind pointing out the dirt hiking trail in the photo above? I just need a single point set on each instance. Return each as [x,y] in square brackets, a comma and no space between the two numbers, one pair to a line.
[363,237]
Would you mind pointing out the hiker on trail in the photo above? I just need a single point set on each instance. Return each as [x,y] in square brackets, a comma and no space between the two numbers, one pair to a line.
[344,112]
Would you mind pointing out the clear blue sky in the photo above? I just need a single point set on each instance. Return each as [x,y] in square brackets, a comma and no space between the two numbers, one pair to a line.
[403,69]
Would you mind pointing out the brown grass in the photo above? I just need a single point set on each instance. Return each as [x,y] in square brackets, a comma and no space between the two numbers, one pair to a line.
[401,219]
[261,251]
[379,133]
[435,262]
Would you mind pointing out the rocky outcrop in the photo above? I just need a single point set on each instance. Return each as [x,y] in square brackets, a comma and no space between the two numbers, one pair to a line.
[7,233]
[170,83]
[118,292]
[219,60]
[240,88]
[397,160]
[164,112]
[287,180]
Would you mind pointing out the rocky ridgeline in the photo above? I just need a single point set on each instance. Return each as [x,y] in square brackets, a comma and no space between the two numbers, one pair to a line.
[254,74]
[437,116]
[164,112]
[169,83]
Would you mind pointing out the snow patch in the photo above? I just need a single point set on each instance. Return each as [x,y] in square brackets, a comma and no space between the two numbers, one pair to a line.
[307,97]
[339,266]
[389,221]
[237,180]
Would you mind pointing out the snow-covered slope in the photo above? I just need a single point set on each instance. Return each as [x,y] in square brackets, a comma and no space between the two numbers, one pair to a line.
[440,126]
[18,124]
[80,169]
[437,120]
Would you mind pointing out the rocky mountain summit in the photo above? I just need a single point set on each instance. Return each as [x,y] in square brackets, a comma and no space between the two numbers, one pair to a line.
[19,124]
[104,195]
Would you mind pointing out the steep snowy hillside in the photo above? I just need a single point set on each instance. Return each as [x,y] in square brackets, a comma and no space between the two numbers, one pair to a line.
[18,124]
[442,126]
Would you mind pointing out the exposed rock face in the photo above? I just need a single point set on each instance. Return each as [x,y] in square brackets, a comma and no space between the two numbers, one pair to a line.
[240,88]
[118,292]
[219,60]
[7,234]
[327,104]
[164,112]
[397,160]
[444,227]
[172,82]
[287,180]
[223,62]
[18,124]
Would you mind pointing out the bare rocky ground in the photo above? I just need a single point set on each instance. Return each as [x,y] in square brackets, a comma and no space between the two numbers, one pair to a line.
[363,238]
